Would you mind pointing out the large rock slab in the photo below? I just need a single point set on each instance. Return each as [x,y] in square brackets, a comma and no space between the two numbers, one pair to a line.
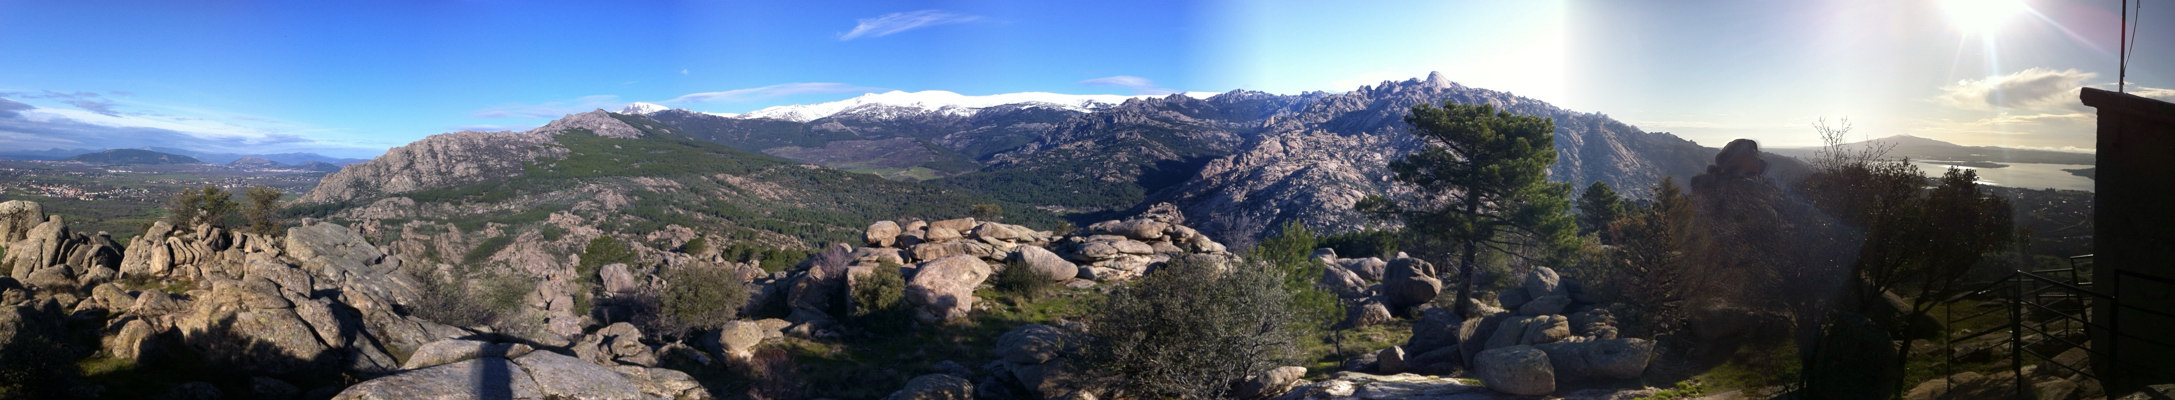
[737,338]
[1045,263]
[1355,385]
[1274,382]
[16,219]
[1519,370]
[881,234]
[482,378]
[1544,282]
[569,377]
[456,350]
[1530,331]
[943,290]
[1609,359]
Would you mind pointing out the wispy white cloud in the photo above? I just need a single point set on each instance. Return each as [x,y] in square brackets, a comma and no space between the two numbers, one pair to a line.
[888,24]
[2047,129]
[1139,85]
[99,126]
[2029,89]
[759,93]
[87,101]
[2156,93]
[554,109]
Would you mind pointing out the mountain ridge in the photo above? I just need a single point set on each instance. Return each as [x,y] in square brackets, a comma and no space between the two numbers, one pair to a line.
[1241,161]
[133,157]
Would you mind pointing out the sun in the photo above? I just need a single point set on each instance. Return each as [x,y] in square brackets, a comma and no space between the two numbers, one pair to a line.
[1980,17]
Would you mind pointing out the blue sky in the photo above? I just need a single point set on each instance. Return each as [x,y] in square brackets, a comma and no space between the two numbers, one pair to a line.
[353,78]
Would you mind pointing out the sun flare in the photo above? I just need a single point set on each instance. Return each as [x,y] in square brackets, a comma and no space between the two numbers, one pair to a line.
[1980,17]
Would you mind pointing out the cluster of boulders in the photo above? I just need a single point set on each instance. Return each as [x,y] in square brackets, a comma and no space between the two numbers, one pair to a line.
[1552,337]
[942,262]
[1381,289]
[298,313]
[1119,250]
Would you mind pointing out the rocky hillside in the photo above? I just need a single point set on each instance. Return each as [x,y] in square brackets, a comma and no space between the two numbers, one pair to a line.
[1239,161]
[206,312]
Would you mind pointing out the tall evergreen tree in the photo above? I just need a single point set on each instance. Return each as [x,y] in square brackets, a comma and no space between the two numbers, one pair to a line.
[1597,208]
[1483,186]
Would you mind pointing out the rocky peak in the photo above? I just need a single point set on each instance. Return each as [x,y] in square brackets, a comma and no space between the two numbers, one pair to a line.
[1435,79]
[597,121]
[440,161]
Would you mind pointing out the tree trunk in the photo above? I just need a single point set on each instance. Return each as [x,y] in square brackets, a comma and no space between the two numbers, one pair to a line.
[1465,280]
[1464,305]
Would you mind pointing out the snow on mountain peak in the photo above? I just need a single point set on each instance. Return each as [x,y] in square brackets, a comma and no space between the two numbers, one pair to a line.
[640,108]
[890,104]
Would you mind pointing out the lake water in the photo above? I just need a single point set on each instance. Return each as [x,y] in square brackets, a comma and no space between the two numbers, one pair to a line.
[2020,175]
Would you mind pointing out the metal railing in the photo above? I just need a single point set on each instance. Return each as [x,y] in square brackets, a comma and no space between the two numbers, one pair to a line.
[2050,312]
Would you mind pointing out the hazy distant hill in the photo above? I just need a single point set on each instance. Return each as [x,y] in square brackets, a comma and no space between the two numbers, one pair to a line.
[133,157]
[1918,148]
[282,158]
[207,157]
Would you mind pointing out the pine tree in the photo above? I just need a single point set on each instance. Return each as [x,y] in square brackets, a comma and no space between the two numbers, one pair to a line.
[1483,186]
[1597,208]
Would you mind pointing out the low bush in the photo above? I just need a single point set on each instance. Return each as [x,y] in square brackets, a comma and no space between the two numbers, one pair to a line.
[452,303]
[697,297]
[1188,330]
[879,301]
[1020,280]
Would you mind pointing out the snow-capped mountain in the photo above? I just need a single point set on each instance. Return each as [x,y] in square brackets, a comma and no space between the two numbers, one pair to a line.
[640,108]
[898,102]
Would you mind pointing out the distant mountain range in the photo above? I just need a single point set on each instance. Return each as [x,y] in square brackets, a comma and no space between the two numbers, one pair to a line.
[207,157]
[1918,148]
[132,157]
[1238,163]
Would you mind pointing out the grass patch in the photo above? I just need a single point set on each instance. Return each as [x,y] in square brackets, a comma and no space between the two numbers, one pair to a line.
[1683,390]
[1325,352]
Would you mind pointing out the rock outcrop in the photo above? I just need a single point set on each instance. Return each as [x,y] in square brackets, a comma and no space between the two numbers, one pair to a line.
[1118,250]
[436,162]
[312,306]
[17,217]
[1519,370]
[943,289]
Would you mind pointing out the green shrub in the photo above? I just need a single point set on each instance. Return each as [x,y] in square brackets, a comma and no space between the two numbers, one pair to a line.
[503,293]
[602,251]
[695,246]
[1020,280]
[485,250]
[879,300]
[452,303]
[1288,253]
[262,210]
[209,204]
[697,297]
[1187,330]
